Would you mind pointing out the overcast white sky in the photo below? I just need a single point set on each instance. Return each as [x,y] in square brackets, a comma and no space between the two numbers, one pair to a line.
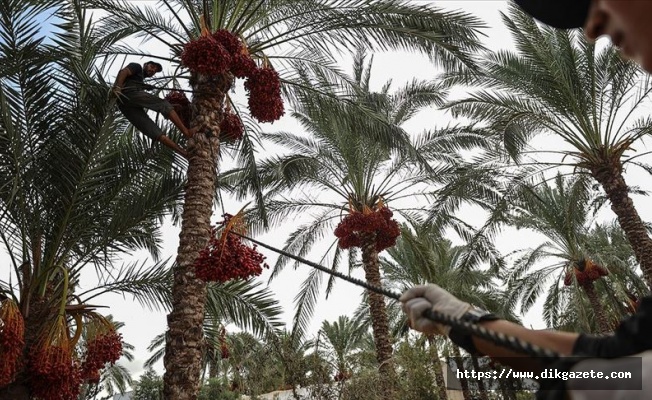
[143,325]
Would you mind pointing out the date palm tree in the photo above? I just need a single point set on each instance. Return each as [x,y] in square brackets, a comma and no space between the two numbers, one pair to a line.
[423,256]
[75,193]
[562,214]
[585,95]
[295,37]
[251,366]
[610,242]
[243,304]
[114,378]
[341,338]
[344,162]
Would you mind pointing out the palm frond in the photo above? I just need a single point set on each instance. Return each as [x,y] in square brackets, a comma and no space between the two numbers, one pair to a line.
[149,285]
[246,304]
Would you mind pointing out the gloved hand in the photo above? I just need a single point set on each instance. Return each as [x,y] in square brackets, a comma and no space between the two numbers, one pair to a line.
[420,298]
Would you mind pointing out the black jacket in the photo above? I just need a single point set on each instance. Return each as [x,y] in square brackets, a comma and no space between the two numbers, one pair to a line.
[633,336]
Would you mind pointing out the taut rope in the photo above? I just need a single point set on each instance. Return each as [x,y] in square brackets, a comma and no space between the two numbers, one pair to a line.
[497,338]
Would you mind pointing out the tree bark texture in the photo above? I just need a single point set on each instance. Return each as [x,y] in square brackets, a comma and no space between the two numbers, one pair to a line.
[481,387]
[378,312]
[183,350]
[466,392]
[612,181]
[213,369]
[508,394]
[598,310]
[439,369]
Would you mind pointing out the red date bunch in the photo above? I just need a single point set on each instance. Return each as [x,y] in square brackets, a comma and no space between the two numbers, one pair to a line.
[206,55]
[222,51]
[231,128]
[264,88]
[349,231]
[55,374]
[103,346]
[12,341]
[217,53]
[591,272]
[242,65]
[181,105]
[231,42]
[342,376]
[224,349]
[226,258]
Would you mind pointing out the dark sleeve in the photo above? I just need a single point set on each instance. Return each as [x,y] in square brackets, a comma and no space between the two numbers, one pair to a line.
[634,335]
[465,340]
[135,68]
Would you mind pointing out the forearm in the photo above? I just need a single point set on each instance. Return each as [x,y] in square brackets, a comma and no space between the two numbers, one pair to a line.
[120,79]
[560,342]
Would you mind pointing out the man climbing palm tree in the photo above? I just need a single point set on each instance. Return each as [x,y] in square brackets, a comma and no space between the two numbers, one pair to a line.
[626,23]
[130,89]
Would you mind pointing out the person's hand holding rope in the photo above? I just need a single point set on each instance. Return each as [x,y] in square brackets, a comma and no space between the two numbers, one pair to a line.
[431,297]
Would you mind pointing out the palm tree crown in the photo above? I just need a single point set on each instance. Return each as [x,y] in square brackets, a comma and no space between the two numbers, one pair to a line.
[557,81]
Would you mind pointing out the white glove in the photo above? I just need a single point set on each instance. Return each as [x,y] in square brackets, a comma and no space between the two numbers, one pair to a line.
[421,298]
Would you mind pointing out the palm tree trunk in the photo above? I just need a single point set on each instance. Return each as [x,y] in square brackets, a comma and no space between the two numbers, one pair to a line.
[466,392]
[213,369]
[598,310]
[481,388]
[183,350]
[508,394]
[439,372]
[609,175]
[37,313]
[378,312]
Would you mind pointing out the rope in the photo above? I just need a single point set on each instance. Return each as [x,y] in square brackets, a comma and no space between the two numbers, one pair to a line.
[497,338]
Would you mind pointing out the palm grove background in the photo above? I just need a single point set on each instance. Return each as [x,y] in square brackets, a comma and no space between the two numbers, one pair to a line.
[516,171]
